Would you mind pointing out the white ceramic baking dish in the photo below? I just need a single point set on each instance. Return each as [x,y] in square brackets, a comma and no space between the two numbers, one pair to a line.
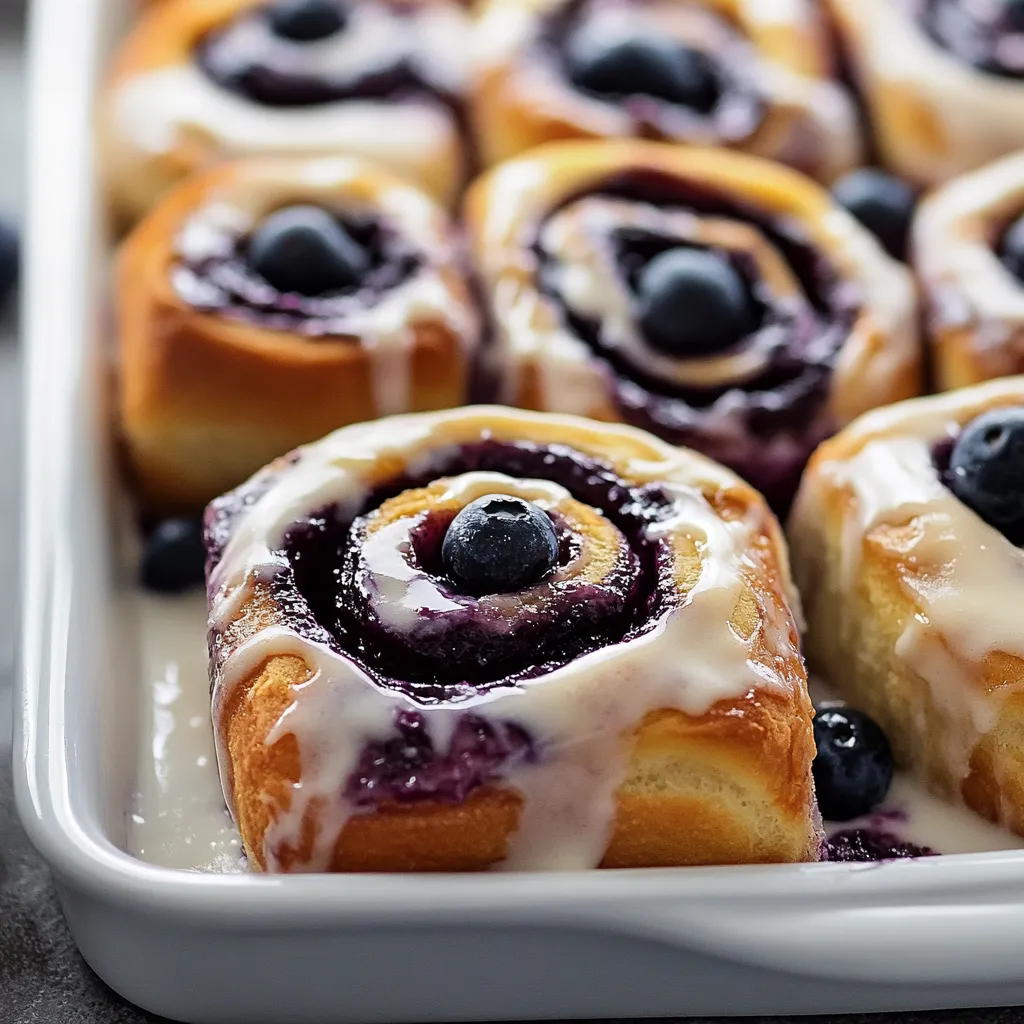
[220,948]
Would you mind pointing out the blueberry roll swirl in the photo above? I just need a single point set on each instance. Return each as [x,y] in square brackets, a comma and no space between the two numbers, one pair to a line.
[717,300]
[198,81]
[941,79]
[490,638]
[704,72]
[907,538]
[968,251]
[269,301]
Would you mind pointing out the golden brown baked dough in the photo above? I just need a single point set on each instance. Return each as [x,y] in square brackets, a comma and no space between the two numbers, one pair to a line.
[162,117]
[839,335]
[933,115]
[687,740]
[974,303]
[912,600]
[778,99]
[211,388]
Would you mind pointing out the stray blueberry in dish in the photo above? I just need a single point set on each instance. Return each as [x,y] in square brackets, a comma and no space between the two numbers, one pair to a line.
[646,66]
[693,302]
[498,544]
[883,203]
[174,557]
[9,258]
[986,470]
[853,768]
[865,844]
[305,21]
[304,249]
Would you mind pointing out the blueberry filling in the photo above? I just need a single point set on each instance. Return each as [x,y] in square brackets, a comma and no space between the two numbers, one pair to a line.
[407,768]
[302,269]
[986,36]
[984,468]
[765,425]
[498,544]
[863,844]
[884,204]
[264,55]
[853,767]
[1011,248]
[669,86]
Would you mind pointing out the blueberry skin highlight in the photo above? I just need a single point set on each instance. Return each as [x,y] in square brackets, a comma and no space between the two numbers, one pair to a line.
[499,544]
[692,302]
[853,768]
[986,470]
[174,556]
[303,249]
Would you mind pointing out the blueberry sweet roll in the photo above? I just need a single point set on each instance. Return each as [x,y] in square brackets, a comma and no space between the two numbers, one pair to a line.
[968,251]
[906,537]
[708,72]
[943,80]
[718,300]
[201,80]
[489,638]
[268,301]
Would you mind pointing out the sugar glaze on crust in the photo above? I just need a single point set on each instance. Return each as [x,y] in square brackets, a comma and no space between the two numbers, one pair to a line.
[685,739]
[975,304]
[912,600]
[933,115]
[794,112]
[163,117]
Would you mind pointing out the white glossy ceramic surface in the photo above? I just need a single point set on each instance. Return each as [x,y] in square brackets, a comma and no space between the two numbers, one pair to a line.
[239,948]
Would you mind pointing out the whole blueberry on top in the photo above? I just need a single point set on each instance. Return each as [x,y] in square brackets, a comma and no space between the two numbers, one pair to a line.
[304,249]
[1011,250]
[642,65]
[986,470]
[853,767]
[883,203]
[9,259]
[174,556]
[692,302]
[305,21]
[498,544]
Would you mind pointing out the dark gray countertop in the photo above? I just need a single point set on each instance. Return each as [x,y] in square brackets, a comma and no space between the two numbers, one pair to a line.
[43,979]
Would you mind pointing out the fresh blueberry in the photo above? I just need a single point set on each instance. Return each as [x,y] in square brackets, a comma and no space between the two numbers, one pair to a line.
[174,557]
[305,21]
[1012,248]
[882,203]
[986,470]
[646,66]
[304,249]
[853,767]
[693,302]
[498,544]
[9,259]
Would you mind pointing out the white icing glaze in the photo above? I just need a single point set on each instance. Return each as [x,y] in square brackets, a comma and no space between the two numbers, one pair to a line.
[178,819]
[386,326]
[954,237]
[962,575]
[977,117]
[577,714]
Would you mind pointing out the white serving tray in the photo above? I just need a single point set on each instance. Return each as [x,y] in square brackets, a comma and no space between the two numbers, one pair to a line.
[295,950]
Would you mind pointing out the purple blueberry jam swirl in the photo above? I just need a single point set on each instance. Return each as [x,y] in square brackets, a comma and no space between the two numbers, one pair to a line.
[621,54]
[865,844]
[987,35]
[369,51]
[763,422]
[328,589]
[302,269]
